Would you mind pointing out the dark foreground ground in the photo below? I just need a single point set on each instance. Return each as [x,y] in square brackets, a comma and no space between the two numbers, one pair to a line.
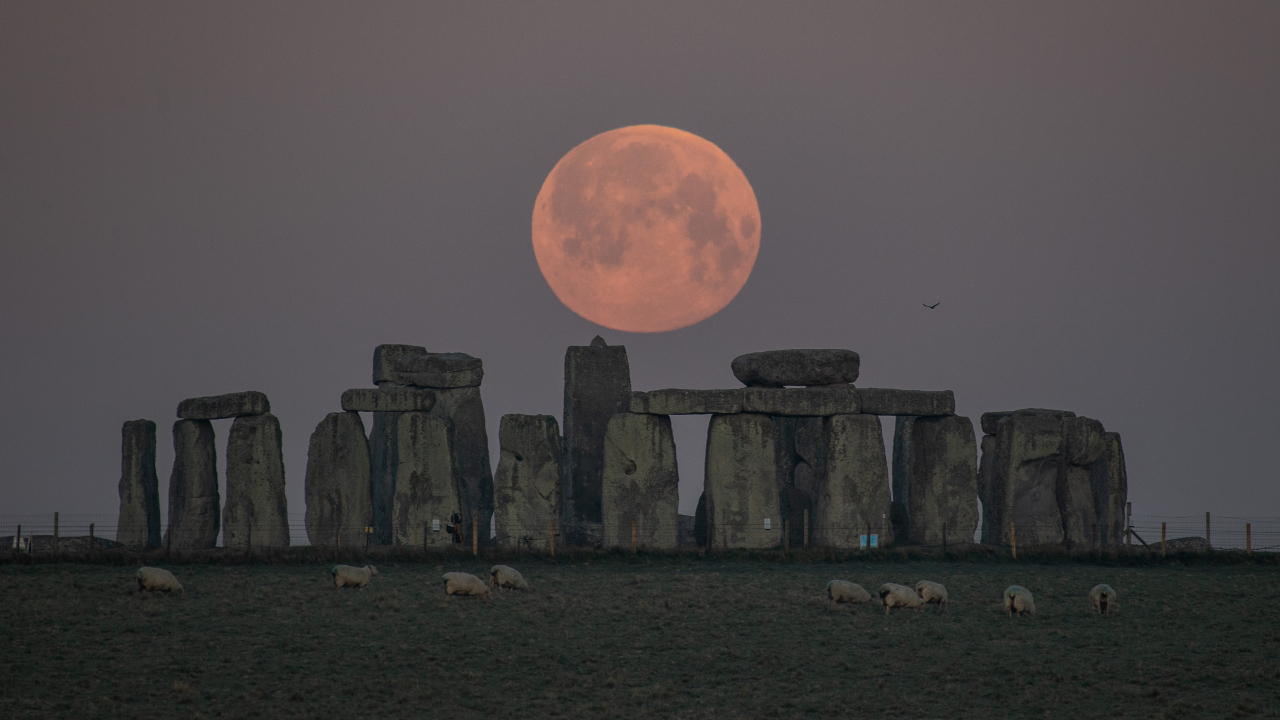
[692,639]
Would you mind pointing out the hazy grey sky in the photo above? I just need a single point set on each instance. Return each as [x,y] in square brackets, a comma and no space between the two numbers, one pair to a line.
[213,197]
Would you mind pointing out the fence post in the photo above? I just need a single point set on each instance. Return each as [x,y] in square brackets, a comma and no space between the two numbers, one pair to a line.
[633,537]
[475,533]
[551,535]
[1162,545]
[55,534]
[1248,538]
[248,541]
[944,539]
[17,539]
[786,536]
[1128,524]
[1207,541]
[868,537]
[806,527]
[1013,540]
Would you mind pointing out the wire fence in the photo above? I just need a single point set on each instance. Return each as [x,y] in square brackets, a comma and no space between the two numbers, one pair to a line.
[35,533]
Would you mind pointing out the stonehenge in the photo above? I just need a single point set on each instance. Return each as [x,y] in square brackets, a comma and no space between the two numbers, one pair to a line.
[795,458]
[139,524]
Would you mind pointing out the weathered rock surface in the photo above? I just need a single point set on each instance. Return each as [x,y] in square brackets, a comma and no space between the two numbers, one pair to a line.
[640,483]
[854,496]
[427,488]
[778,368]
[139,524]
[741,482]
[338,491]
[1110,486]
[465,410]
[674,401]
[384,458]
[256,513]
[1083,445]
[935,485]
[1183,544]
[194,513]
[215,407]
[686,537]
[986,462]
[886,401]
[597,386]
[379,400]
[413,365]
[991,420]
[800,467]
[1024,478]
[527,485]
[800,401]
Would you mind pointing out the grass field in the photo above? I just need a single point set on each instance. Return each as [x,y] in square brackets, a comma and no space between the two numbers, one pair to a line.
[670,638]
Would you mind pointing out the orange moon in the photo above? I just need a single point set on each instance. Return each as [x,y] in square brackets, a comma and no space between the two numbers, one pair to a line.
[646,229]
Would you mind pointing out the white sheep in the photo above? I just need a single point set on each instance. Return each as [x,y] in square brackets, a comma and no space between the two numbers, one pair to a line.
[894,595]
[843,591]
[932,593]
[505,576]
[456,583]
[1103,599]
[347,575]
[1018,599]
[154,579]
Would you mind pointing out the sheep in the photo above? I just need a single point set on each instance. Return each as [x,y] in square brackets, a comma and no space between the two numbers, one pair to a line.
[894,595]
[346,575]
[153,579]
[1017,599]
[932,593]
[456,583]
[1103,599]
[842,591]
[504,576]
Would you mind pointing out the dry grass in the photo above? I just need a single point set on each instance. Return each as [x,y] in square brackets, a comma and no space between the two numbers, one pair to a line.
[676,638]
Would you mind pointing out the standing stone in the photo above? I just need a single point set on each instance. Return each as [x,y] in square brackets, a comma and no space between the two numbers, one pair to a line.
[139,524]
[338,491]
[384,459]
[934,480]
[1110,490]
[777,368]
[527,486]
[1023,482]
[464,409]
[855,490]
[597,386]
[415,366]
[427,491]
[640,483]
[800,466]
[985,468]
[1084,446]
[741,483]
[256,513]
[194,515]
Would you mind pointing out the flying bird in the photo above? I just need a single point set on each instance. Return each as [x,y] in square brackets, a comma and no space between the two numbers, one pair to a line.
[933,305]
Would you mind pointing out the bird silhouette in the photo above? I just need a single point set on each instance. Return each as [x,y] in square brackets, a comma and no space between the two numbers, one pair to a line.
[933,305]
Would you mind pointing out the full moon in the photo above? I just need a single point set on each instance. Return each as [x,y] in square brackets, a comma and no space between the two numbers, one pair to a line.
[646,229]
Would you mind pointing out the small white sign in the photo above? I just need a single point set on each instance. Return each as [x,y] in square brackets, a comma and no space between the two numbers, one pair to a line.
[435,524]
[767,525]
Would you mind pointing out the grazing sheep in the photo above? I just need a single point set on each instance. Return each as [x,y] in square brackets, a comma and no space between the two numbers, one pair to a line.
[1017,599]
[456,583]
[932,593]
[894,595]
[153,579]
[346,575]
[505,576]
[842,591]
[1103,599]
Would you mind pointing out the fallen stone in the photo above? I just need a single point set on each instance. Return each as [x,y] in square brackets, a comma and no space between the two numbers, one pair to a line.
[674,401]
[854,497]
[427,490]
[231,405]
[800,401]
[916,403]
[990,421]
[935,489]
[378,400]
[256,513]
[778,368]
[339,496]
[640,486]
[413,365]
[194,513]
[527,485]
[139,523]
[597,386]
[1183,544]
[741,482]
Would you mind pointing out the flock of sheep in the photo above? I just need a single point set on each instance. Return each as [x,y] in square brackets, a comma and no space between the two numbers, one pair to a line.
[1017,599]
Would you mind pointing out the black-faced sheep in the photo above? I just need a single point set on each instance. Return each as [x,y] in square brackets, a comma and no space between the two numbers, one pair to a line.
[1103,599]
[1018,599]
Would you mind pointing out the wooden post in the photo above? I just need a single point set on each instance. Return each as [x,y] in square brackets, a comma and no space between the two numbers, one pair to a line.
[806,527]
[633,537]
[17,539]
[1162,545]
[168,542]
[1128,524]
[1013,540]
[248,541]
[1248,538]
[551,536]
[415,534]
[91,540]
[868,537]
[55,531]
[1207,541]
[786,537]
[475,533]
[944,539]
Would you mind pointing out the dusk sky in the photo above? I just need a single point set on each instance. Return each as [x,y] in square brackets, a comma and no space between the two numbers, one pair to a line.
[206,198]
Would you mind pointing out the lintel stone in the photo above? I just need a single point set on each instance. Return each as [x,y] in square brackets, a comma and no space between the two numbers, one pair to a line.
[800,401]
[918,403]
[231,405]
[675,401]
[388,400]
